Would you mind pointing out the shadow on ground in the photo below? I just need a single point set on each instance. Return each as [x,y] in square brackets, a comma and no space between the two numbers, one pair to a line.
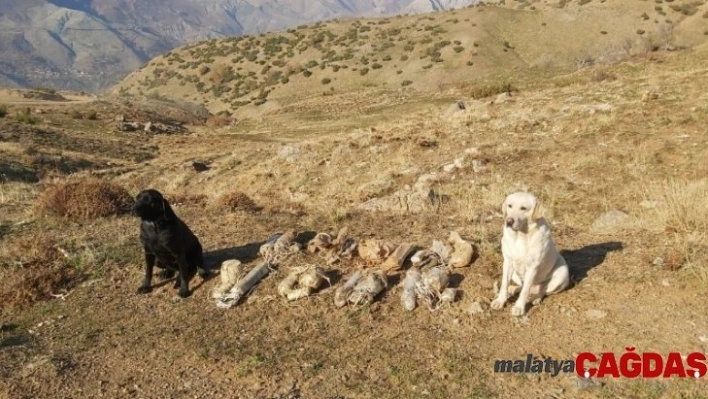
[582,260]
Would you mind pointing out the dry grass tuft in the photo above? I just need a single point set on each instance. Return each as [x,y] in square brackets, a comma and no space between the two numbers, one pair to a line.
[681,212]
[33,269]
[680,205]
[85,199]
[40,282]
[236,200]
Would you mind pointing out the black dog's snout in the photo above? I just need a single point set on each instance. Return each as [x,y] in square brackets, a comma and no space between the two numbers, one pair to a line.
[509,222]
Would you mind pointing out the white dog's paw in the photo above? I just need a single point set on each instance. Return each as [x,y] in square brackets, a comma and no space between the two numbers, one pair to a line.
[497,303]
[517,311]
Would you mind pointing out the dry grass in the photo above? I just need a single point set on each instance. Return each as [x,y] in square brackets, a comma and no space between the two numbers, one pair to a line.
[40,282]
[679,214]
[190,199]
[236,200]
[34,269]
[85,199]
[644,156]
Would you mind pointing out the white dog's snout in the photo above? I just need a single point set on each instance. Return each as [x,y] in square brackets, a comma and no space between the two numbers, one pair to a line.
[509,222]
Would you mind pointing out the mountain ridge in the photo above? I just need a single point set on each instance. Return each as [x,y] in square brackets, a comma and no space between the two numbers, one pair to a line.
[91,44]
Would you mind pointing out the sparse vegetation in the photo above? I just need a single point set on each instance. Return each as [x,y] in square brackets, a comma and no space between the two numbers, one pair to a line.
[586,131]
[85,199]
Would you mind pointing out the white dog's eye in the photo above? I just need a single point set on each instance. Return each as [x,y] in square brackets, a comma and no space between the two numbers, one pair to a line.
[523,208]
[509,206]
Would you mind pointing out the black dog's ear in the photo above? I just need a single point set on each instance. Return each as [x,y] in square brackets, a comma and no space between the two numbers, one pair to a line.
[167,211]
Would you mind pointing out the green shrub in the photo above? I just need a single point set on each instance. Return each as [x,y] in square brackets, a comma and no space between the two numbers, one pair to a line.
[406,83]
[25,116]
[326,81]
[363,71]
[3,110]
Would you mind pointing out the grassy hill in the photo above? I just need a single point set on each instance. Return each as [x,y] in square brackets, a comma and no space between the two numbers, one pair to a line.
[478,49]
[615,150]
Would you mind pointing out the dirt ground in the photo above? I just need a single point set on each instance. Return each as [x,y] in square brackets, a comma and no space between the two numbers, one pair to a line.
[635,143]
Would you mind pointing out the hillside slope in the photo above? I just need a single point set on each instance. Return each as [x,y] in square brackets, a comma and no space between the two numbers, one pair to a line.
[483,48]
[90,44]
[629,138]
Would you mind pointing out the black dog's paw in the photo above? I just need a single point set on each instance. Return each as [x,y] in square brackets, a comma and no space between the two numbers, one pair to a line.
[184,293]
[144,289]
[166,274]
[204,273]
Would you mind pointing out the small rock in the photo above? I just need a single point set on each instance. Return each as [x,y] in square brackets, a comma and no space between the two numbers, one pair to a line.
[472,151]
[592,109]
[459,164]
[503,97]
[659,261]
[449,168]
[648,204]
[588,383]
[475,308]
[595,314]
[199,166]
[289,153]
[148,127]
[665,283]
[609,220]
[478,166]
[650,95]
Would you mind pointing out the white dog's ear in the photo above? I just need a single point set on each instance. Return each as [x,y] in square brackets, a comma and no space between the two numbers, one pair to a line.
[537,210]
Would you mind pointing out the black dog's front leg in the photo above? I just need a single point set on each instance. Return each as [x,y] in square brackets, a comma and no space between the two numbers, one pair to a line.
[145,287]
[185,275]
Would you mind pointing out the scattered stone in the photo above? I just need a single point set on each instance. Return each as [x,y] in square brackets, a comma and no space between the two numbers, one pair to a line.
[149,127]
[289,153]
[648,204]
[408,200]
[588,383]
[478,166]
[503,97]
[120,118]
[425,182]
[609,220]
[476,308]
[461,105]
[199,166]
[649,95]
[449,168]
[665,283]
[595,314]
[658,261]
[594,108]
[472,151]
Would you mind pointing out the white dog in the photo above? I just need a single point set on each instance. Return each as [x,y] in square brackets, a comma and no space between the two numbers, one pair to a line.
[531,259]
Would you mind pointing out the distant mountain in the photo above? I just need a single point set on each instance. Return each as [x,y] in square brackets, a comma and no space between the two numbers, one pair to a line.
[91,44]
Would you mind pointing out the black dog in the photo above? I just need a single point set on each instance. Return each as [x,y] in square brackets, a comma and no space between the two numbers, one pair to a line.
[168,243]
